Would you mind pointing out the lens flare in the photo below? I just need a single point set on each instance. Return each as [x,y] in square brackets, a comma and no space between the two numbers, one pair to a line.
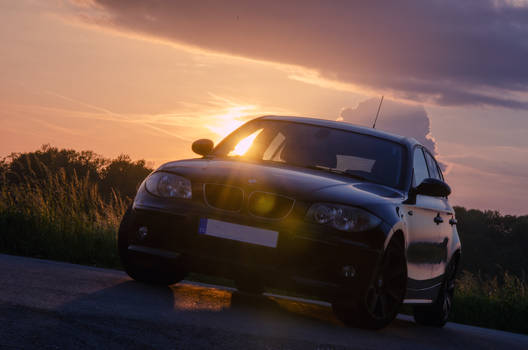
[244,145]
[264,204]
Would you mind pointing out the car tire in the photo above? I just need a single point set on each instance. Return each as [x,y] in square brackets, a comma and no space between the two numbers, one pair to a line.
[436,314]
[149,270]
[380,301]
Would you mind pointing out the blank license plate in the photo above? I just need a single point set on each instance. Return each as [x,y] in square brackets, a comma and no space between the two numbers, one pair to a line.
[241,233]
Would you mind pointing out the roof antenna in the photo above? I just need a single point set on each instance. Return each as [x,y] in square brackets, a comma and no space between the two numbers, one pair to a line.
[377,114]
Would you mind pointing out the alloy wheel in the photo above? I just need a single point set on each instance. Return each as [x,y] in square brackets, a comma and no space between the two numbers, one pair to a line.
[385,294]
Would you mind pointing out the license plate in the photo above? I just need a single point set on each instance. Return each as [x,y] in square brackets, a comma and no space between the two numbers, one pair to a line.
[236,232]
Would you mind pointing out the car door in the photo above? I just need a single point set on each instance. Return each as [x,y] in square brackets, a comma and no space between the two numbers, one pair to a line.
[424,217]
[446,213]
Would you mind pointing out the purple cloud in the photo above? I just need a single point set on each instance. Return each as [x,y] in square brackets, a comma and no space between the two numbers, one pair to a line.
[399,118]
[447,52]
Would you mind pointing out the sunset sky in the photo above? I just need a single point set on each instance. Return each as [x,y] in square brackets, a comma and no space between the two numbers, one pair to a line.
[146,78]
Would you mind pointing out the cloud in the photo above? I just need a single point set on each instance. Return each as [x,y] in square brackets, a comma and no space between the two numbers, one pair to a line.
[489,178]
[508,162]
[158,137]
[447,52]
[399,118]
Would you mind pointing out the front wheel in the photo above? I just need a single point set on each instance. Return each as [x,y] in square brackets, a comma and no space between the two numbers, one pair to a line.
[149,269]
[379,303]
[436,314]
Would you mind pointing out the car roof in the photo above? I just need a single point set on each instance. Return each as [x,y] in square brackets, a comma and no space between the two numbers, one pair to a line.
[408,141]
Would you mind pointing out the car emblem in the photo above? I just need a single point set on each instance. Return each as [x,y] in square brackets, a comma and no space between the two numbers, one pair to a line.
[252,181]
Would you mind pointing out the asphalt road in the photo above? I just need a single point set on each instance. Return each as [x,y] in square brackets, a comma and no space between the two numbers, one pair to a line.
[53,305]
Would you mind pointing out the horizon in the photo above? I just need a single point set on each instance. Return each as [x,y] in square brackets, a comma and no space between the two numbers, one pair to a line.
[88,75]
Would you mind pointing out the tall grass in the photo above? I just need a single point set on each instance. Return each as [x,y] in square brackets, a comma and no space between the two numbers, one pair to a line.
[59,217]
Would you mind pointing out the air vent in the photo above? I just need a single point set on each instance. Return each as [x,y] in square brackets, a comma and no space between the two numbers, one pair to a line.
[223,197]
[269,205]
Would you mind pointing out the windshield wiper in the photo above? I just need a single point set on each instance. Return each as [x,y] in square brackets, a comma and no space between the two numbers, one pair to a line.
[347,173]
[337,171]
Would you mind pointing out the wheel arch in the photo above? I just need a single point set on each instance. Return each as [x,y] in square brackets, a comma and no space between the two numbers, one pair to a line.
[455,257]
[397,230]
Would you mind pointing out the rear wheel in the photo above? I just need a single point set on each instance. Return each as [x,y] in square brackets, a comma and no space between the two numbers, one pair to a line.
[436,314]
[379,303]
[147,269]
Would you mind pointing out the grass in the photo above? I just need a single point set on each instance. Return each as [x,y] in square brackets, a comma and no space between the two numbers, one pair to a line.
[60,218]
[65,218]
[499,303]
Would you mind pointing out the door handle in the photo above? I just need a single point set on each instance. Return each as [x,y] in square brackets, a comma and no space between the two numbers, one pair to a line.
[452,221]
[438,219]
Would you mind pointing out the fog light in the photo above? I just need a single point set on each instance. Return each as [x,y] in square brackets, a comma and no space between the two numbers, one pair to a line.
[142,232]
[348,271]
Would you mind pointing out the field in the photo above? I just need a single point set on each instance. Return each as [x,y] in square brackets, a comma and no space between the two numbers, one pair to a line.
[61,215]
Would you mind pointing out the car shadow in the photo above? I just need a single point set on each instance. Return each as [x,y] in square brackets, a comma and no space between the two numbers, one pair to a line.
[181,310]
[205,305]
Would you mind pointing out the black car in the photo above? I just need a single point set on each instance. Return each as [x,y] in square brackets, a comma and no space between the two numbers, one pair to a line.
[352,215]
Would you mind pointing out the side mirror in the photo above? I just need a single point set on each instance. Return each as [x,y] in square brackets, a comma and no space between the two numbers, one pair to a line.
[433,187]
[202,147]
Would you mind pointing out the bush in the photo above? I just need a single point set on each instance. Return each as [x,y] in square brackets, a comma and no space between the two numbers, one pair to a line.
[120,175]
[60,217]
[493,243]
[492,303]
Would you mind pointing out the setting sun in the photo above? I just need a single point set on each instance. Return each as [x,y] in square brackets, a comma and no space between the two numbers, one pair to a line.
[243,146]
[230,120]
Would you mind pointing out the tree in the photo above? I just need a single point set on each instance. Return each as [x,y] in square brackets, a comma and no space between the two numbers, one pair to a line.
[123,176]
[120,175]
[36,166]
[492,243]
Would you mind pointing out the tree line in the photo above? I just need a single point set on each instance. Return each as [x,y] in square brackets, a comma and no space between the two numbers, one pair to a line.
[493,243]
[120,175]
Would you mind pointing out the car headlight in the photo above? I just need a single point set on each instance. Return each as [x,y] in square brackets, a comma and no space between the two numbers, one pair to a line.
[342,217]
[168,185]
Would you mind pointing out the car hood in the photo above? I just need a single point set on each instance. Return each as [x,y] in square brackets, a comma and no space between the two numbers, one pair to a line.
[299,183]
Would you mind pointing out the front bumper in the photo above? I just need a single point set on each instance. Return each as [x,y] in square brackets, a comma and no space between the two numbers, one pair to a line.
[309,258]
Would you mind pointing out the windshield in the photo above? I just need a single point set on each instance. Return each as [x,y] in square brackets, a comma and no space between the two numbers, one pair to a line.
[332,150]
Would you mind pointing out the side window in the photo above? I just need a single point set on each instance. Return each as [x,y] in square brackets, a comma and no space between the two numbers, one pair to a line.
[419,167]
[440,172]
[433,167]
